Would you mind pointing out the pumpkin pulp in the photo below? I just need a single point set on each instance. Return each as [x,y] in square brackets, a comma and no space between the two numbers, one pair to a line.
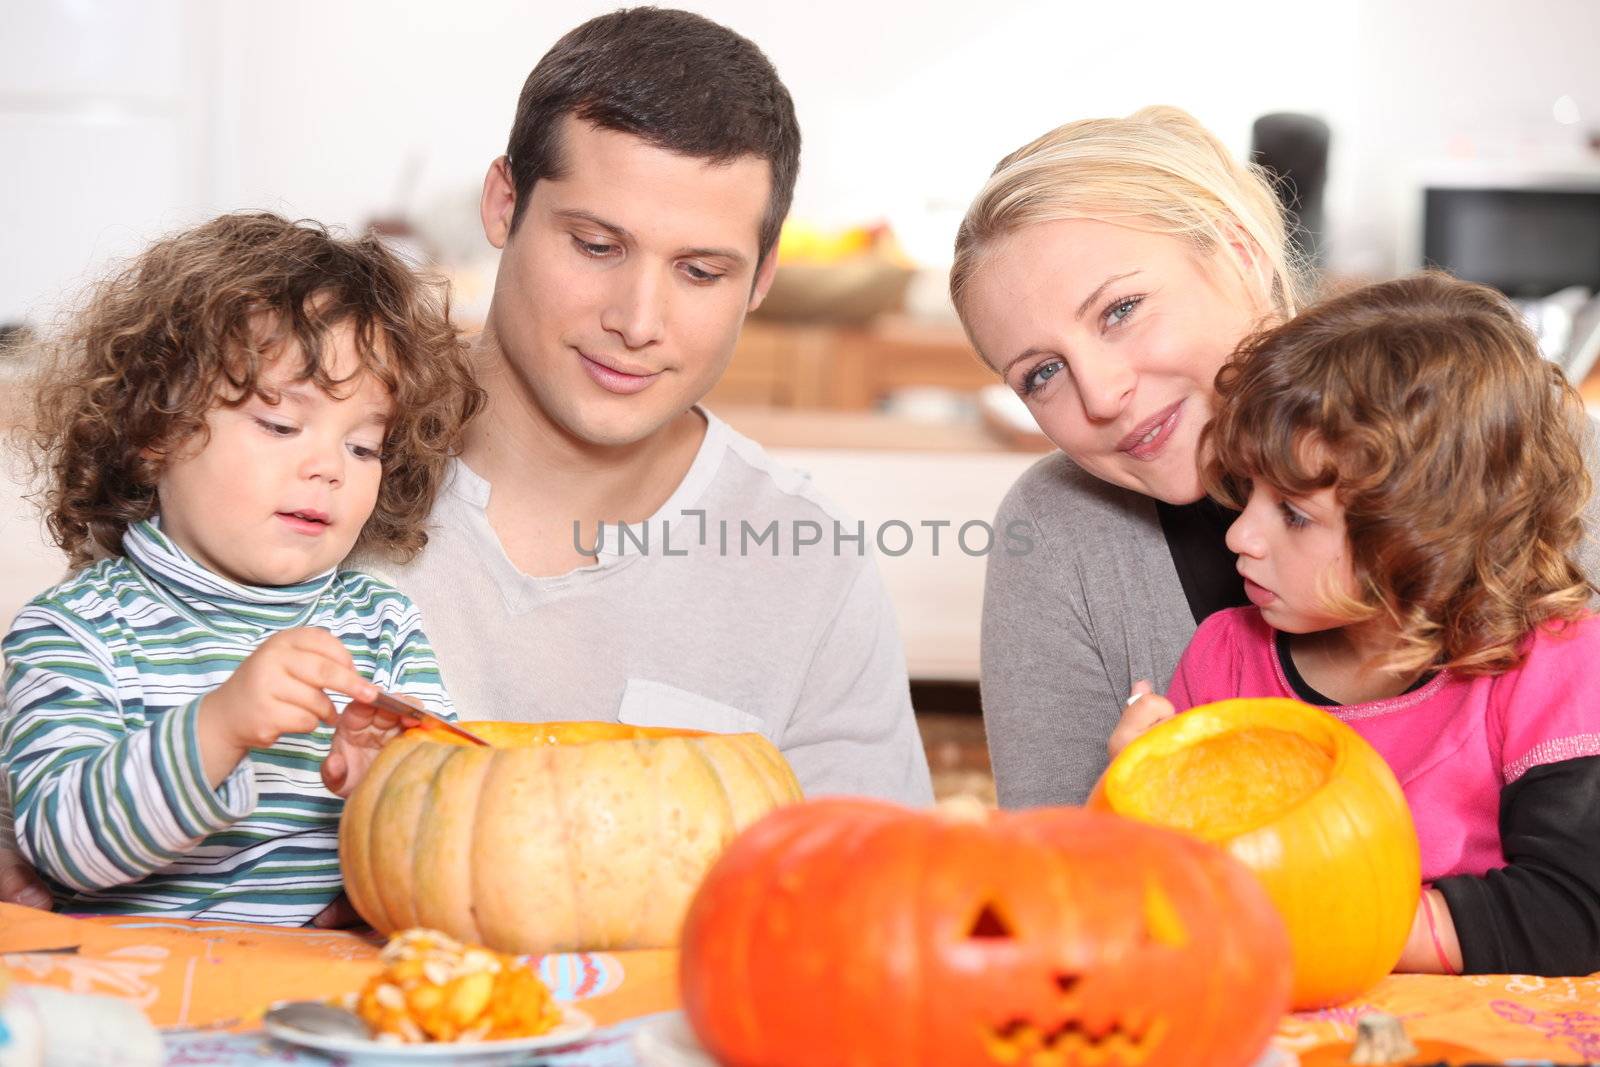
[1227,783]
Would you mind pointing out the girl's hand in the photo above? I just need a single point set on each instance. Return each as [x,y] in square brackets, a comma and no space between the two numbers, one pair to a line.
[362,732]
[1421,955]
[277,690]
[1143,710]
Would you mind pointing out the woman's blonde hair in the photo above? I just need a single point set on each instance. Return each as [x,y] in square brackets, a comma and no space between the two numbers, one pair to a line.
[1455,448]
[1157,170]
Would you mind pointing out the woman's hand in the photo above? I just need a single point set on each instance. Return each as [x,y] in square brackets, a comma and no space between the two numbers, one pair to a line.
[279,689]
[1143,710]
[361,733]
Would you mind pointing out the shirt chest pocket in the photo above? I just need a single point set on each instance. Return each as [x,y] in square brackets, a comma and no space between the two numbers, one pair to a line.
[648,703]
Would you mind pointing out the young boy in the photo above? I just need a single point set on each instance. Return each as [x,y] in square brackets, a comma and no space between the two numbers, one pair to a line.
[229,417]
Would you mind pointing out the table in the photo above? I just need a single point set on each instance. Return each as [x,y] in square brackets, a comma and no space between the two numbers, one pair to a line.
[221,975]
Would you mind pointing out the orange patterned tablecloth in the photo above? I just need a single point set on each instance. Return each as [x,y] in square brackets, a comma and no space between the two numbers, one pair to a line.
[201,973]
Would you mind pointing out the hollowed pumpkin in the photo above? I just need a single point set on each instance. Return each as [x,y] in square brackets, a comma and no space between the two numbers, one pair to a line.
[1303,801]
[561,837]
[847,931]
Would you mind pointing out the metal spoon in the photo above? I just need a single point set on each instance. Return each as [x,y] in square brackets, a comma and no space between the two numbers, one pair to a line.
[318,1017]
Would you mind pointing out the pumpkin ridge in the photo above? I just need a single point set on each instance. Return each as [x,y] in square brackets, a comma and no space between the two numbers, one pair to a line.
[766,887]
[642,915]
[422,761]
[1215,1013]
[860,845]
[558,802]
[775,766]
[356,821]
[418,861]
[923,843]
[699,747]
[755,772]
[1370,960]
[473,883]
[661,874]
[584,846]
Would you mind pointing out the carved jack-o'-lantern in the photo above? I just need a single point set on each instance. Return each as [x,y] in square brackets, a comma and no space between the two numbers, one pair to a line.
[850,931]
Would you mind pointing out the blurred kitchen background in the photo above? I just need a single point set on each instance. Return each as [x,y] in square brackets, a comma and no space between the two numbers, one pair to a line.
[1461,132]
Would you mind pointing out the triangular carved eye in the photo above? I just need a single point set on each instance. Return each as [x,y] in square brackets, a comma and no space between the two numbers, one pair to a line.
[989,924]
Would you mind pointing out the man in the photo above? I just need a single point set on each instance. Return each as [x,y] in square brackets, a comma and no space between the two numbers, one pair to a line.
[637,210]
[650,166]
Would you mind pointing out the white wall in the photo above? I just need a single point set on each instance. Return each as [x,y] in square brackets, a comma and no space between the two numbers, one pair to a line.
[102,112]
[121,119]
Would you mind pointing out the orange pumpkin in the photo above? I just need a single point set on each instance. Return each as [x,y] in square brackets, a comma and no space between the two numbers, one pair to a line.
[848,931]
[1382,1038]
[1428,1054]
[560,837]
[1303,801]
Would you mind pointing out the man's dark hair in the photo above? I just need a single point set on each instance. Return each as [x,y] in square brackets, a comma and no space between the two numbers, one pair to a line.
[673,79]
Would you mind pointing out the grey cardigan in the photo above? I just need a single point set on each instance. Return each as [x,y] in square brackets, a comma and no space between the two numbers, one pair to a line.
[1069,626]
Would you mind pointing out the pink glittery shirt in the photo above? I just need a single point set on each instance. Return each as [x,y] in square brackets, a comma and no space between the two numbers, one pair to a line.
[1453,743]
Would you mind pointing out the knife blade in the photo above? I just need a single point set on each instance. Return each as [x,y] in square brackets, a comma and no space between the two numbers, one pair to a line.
[395,705]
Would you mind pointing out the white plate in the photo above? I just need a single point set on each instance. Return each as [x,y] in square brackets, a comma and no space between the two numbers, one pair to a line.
[667,1041]
[573,1026]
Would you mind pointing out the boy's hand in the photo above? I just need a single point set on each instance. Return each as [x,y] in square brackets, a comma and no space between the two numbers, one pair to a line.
[19,882]
[1143,710]
[340,915]
[362,731]
[277,690]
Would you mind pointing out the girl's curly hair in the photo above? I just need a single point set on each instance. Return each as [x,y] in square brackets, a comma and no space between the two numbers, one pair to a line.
[193,323]
[1456,450]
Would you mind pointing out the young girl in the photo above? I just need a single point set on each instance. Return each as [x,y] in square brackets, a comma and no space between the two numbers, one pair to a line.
[1411,479]
[230,417]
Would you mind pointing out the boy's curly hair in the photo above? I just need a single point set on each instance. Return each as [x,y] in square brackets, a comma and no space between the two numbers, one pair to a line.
[194,321]
[1456,450]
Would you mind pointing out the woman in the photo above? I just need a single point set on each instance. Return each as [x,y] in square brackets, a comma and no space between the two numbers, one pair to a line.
[1106,271]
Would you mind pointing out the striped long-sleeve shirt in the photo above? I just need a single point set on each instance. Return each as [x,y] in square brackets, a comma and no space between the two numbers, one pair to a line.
[104,676]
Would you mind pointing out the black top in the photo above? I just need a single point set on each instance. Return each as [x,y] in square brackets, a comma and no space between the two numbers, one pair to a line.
[1302,688]
[1540,914]
[1194,534]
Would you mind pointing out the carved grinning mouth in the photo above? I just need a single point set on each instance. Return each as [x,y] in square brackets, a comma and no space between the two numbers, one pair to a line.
[1021,1042]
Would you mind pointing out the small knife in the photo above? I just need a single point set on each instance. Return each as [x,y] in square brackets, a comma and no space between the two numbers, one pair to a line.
[397,706]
